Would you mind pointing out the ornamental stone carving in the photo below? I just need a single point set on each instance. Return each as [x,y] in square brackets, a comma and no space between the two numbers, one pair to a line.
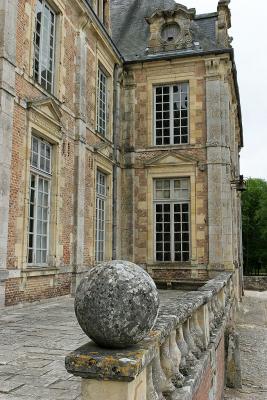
[224,23]
[170,29]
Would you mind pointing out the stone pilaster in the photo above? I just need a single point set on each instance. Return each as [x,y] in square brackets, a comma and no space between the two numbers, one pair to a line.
[219,166]
[80,154]
[8,16]
[128,194]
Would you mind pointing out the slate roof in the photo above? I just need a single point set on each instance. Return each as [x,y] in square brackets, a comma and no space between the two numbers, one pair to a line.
[130,31]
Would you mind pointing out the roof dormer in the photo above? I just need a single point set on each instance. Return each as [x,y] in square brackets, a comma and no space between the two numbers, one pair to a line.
[170,29]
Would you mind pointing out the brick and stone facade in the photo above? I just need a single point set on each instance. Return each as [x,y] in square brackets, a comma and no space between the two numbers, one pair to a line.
[67,119]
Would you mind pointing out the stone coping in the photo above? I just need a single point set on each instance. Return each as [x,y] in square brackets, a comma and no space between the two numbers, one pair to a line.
[93,362]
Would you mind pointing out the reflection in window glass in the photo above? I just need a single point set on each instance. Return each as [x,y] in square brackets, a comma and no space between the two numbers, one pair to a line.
[171,110]
[44,41]
[39,202]
[172,220]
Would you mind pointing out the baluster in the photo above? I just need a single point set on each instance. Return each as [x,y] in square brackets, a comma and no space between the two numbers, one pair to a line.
[211,316]
[176,356]
[219,306]
[203,321]
[161,383]
[190,340]
[150,389]
[198,331]
[215,312]
[182,345]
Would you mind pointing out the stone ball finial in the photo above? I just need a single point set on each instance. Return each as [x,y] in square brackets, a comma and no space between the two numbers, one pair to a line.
[117,304]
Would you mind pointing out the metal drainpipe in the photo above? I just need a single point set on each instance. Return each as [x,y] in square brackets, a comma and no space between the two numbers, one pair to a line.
[116,136]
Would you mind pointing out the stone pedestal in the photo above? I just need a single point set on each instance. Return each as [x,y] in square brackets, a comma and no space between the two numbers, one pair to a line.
[102,390]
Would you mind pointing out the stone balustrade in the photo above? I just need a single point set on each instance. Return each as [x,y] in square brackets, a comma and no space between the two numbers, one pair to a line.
[183,352]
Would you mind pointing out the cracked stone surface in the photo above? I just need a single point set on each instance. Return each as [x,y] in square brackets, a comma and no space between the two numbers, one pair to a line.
[117,304]
[34,341]
[252,326]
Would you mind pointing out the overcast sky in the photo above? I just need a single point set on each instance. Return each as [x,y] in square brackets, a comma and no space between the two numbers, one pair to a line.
[249,30]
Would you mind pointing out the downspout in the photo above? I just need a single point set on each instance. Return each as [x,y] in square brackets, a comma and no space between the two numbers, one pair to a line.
[116,138]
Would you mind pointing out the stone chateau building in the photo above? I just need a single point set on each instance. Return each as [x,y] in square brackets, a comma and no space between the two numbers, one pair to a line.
[120,132]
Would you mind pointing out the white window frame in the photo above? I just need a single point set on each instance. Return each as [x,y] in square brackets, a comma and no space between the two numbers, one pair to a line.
[172,200]
[102,105]
[171,116]
[101,204]
[45,83]
[44,174]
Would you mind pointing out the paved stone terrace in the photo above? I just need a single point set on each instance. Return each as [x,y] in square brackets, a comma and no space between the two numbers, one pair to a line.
[252,326]
[34,341]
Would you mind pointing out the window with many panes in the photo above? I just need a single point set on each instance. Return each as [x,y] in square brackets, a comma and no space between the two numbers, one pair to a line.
[102,102]
[172,219]
[44,41]
[101,197]
[171,114]
[39,204]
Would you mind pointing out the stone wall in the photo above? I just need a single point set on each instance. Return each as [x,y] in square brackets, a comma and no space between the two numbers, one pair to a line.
[183,357]
[67,120]
[258,283]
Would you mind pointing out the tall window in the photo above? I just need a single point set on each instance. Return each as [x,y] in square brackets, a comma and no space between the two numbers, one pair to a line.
[39,206]
[172,219]
[44,39]
[171,114]
[102,103]
[101,197]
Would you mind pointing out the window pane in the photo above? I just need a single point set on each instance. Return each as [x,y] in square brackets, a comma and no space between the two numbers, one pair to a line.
[101,190]
[171,114]
[102,102]
[44,40]
[38,220]
[172,230]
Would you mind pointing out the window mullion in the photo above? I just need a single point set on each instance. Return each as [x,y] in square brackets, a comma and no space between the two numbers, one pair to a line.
[53,56]
[35,217]
[41,43]
[171,114]
[172,231]
[48,219]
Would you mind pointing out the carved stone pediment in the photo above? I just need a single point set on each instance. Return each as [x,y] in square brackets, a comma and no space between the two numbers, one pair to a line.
[170,29]
[48,107]
[171,159]
[46,114]
[104,149]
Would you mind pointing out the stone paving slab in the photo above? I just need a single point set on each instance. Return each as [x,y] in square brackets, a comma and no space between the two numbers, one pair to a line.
[34,341]
[252,327]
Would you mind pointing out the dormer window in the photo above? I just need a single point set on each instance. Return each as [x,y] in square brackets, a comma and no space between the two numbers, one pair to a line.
[170,32]
[170,29]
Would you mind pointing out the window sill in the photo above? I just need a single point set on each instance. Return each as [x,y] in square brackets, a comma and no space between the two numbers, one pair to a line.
[172,265]
[39,271]
[103,138]
[168,147]
[48,94]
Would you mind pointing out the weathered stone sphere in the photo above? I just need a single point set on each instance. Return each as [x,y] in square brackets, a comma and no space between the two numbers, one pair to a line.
[116,304]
